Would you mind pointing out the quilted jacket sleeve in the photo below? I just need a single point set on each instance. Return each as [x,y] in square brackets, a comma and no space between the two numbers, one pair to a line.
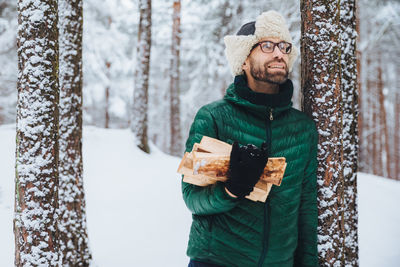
[307,251]
[210,199]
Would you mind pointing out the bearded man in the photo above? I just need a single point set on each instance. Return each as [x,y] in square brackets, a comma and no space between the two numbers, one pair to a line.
[257,117]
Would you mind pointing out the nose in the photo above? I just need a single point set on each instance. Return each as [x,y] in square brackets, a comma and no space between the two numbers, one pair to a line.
[277,53]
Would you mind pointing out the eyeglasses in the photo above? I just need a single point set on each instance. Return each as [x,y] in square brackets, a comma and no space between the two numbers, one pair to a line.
[269,47]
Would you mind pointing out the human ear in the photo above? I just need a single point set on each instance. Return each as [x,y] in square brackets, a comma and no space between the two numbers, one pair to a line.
[245,65]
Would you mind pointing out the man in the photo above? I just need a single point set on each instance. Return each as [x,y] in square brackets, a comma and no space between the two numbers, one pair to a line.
[257,118]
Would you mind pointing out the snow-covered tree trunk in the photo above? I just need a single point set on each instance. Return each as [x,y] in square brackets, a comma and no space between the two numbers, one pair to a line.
[176,137]
[227,13]
[321,85]
[349,84]
[140,95]
[36,192]
[74,244]
[397,130]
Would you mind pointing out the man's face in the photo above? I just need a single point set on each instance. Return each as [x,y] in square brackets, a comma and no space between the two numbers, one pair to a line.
[267,67]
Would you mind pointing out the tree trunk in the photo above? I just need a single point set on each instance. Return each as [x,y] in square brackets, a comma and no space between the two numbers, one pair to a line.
[349,83]
[379,123]
[382,114]
[1,116]
[107,98]
[176,138]
[321,85]
[107,115]
[140,98]
[361,147]
[74,243]
[374,140]
[369,122]
[36,199]
[397,131]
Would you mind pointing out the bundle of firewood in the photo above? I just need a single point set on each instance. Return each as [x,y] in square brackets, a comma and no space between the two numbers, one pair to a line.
[208,162]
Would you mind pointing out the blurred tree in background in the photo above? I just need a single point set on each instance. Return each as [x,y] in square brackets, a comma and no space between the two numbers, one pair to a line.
[109,52]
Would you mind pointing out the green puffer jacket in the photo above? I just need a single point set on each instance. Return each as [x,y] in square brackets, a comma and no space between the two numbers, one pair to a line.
[281,232]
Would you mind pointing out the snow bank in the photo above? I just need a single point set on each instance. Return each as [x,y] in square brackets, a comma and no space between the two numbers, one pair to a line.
[136,215]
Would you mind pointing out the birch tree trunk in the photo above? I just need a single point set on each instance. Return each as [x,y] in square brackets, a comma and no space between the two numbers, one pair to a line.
[74,243]
[36,192]
[349,84]
[176,137]
[140,98]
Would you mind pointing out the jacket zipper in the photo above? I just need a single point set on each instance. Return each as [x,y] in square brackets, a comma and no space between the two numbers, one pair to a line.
[267,209]
[271,118]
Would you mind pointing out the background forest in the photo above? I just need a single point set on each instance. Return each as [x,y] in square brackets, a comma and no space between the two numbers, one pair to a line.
[109,53]
[143,68]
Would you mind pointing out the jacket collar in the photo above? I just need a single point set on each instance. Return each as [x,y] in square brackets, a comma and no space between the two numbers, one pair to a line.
[239,93]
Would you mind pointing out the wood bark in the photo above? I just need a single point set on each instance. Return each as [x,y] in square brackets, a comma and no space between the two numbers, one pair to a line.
[73,237]
[361,141]
[378,122]
[323,89]
[36,192]
[369,122]
[349,83]
[384,137]
[176,138]
[107,98]
[374,139]
[139,122]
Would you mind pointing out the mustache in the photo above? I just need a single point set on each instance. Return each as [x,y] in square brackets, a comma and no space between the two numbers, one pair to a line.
[275,61]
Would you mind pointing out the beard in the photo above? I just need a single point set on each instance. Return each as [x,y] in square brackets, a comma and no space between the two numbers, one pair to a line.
[260,73]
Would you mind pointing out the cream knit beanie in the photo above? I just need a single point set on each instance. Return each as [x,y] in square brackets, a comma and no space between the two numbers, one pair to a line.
[268,24]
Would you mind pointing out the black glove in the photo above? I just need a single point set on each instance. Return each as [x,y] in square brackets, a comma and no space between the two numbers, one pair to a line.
[246,165]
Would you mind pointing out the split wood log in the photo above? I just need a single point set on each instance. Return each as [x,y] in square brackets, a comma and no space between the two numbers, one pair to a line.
[216,165]
[208,163]
[213,145]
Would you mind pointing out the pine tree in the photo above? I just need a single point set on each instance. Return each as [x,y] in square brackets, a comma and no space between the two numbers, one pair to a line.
[323,92]
[73,237]
[361,150]
[140,99]
[384,137]
[349,84]
[369,121]
[176,138]
[36,192]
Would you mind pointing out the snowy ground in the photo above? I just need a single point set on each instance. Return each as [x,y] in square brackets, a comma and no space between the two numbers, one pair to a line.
[136,216]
